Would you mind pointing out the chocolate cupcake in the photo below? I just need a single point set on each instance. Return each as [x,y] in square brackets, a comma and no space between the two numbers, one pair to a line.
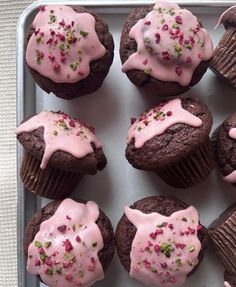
[224,58]
[172,139]
[160,241]
[58,150]
[69,50]
[69,243]
[164,49]
[222,235]
[224,143]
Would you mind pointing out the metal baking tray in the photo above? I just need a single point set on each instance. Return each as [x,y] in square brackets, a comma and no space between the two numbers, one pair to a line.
[109,110]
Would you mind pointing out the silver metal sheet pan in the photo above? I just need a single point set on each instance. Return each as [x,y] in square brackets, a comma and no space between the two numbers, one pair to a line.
[109,110]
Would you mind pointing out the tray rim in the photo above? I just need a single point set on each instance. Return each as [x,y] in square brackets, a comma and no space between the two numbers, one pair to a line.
[20,87]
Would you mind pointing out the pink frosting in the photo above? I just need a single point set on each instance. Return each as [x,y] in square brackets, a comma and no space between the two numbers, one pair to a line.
[65,250]
[165,249]
[170,44]
[226,284]
[63,44]
[61,133]
[158,119]
[231,178]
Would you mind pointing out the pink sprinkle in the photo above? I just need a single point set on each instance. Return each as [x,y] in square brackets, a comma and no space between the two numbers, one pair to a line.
[41,250]
[178,71]
[78,239]
[41,34]
[56,67]
[80,73]
[62,23]
[37,262]
[191,230]
[150,244]
[42,8]
[165,27]
[171,226]
[199,227]
[181,233]
[145,61]
[77,282]
[159,231]
[61,228]
[67,264]
[49,41]
[61,37]
[68,217]
[48,262]
[158,38]
[188,60]
[52,32]
[68,245]
[92,260]
[180,245]
[68,26]
[63,53]
[169,113]
[187,232]
[147,264]
[72,123]
[132,120]
[68,276]
[37,31]
[91,268]
[157,248]
[55,42]
[147,23]
[153,235]
[163,265]
[166,55]
[178,20]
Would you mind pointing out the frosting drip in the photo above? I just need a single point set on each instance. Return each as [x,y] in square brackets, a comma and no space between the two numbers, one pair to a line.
[159,119]
[231,178]
[63,44]
[61,133]
[64,251]
[165,249]
[170,44]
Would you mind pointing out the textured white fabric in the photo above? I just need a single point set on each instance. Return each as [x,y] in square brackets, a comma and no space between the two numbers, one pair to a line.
[9,13]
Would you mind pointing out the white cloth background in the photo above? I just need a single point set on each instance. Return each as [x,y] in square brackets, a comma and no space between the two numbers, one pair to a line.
[9,13]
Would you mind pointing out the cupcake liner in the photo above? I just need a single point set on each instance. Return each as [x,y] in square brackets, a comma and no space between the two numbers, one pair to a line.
[191,170]
[50,182]
[224,59]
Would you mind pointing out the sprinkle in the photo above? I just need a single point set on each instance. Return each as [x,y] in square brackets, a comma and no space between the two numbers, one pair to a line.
[72,23]
[147,23]
[184,219]
[166,55]
[164,265]
[49,41]
[158,38]
[178,20]
[165,27]
[61,228]
[78,282]
[68,277]
[94,244]
[83,33]
[147,264]
[163,224]
[91,268]
[56,67]
[47,244]
[72,123]
[157,248]
[171,226]
[147,71]
[188,60]
[153,235]
[36,32]
[62,23]
[68,245]
[175,26]
[191,248]
[38,244]
[145,61]
[178,71]
[199,227]
[74,66]
[178,262]
[80,73]
[61,37]
[52,32]
[58,270]
[169,113]
[180,245]
[49,271]
[191,230]
[42,8]
[37,262]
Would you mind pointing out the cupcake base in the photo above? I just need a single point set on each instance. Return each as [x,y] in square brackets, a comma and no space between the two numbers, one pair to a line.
[191,170]
[224,58]
[50,182]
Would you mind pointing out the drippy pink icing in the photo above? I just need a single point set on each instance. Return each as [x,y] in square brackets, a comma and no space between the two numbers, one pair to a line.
[158,119]
[170,44]
[65,250]
[61,133]
[63,44]
[226,284]
[231,178]
[165,249]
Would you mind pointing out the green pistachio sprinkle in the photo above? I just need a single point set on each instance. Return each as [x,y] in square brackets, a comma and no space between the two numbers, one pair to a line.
[43,257]
[149,50]
[147,71]
[74,66]
[81,274]
[47,244]
[189,46]
[94,244]
[154,270]
[191,248]
[139,129]
[178,262]
[62,47]
[38,244]
[162,21]
[175,26]
[184,219]
[58,270]
[50,271]
[147,40]
[73,227]
[166,249]
[178,50]
[83,33]
[55,133]
[39,39]
[171,11]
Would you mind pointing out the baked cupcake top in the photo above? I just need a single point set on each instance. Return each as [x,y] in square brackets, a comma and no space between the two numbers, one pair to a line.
[228,18]
[60,133]
[224,144]
[165,249]
[64,253]
[170,44]
[63,44]
[157,120]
